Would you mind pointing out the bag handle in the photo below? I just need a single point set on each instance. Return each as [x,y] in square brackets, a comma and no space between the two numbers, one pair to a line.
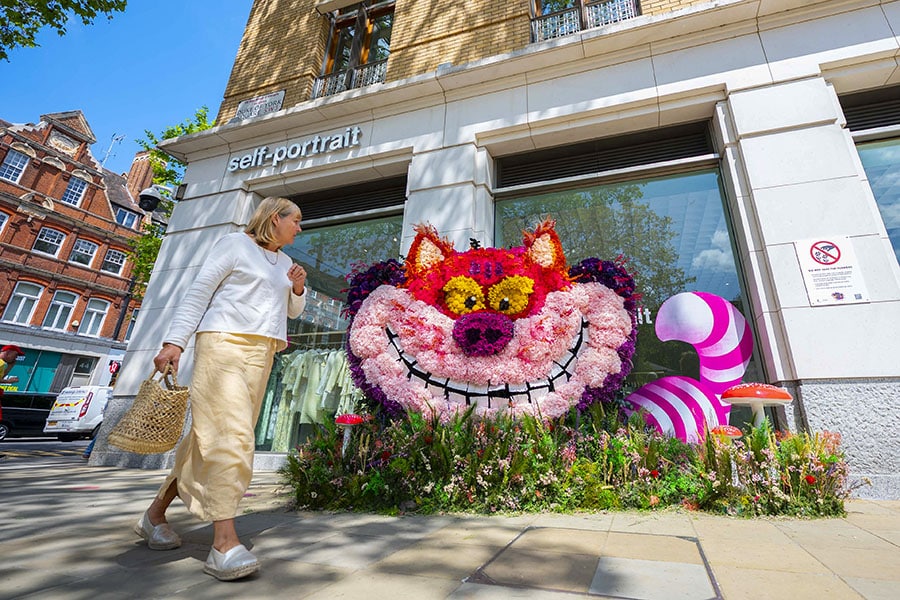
[169,376]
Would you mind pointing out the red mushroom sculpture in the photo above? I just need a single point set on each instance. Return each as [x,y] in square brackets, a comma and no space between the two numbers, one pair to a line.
[726,432]
[346,422]
[757,396]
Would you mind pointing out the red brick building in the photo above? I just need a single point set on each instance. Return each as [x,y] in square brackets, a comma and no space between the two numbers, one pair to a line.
[66,225]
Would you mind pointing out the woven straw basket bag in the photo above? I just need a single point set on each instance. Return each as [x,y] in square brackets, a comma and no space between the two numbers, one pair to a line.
[154,422]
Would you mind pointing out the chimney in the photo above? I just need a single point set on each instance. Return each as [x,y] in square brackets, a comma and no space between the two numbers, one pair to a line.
[140,175]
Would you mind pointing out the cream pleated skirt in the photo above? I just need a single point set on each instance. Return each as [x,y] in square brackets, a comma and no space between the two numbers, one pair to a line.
[214,461]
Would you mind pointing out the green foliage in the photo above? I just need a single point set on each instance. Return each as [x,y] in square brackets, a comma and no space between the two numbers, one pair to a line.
[20,21]
[167,170]
[577,463]
[144,251]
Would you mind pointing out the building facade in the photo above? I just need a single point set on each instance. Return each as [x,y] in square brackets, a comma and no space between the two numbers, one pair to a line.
[66,227]
[746,148]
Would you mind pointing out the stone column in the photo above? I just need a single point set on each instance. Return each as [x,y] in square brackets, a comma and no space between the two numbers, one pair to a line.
[795,174]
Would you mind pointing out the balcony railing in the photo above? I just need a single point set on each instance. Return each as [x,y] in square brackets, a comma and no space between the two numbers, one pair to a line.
[363,75]
[585,16]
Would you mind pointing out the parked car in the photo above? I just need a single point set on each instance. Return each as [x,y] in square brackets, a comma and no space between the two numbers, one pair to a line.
[77,412]
[24,413]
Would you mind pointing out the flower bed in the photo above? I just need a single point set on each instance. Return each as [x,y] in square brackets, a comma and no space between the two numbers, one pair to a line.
[590,461]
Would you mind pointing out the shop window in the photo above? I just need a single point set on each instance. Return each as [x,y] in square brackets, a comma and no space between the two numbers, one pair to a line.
[22,303]
[13,165]
[331,246]
[93,317]
[881,161]
[60,312]
[49,241]
[671,230]
[358,48]
[81,373]
[127,218]
[873,117]
[74,191]
[558,18]
[113,262]
[83,252]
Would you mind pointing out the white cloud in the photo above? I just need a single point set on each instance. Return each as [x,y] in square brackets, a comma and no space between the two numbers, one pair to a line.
[718,258]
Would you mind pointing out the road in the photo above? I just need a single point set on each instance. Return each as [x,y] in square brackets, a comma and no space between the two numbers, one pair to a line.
[17,453]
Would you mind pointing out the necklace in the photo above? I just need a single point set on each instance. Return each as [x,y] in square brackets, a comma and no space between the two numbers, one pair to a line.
[266,254]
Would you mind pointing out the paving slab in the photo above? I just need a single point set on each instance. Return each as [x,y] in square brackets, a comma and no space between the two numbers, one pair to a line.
[639,579]
[66,533]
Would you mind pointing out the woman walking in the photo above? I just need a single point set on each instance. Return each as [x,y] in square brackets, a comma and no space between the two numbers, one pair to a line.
[238,306]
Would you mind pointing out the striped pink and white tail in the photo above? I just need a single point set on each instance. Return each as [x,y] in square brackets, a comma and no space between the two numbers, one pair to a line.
[720,334]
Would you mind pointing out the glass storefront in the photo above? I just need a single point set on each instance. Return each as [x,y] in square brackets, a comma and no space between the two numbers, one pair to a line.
[310,381]
[881,161]
[671,230]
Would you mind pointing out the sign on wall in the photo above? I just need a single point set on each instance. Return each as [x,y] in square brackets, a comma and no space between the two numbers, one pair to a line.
[266,156]
[259,106]
[830,271]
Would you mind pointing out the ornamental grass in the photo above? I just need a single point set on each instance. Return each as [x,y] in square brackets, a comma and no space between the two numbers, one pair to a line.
[583,462]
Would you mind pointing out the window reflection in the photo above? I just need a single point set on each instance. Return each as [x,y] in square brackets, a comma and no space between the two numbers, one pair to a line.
[881,161]
[310,382]
[672,232]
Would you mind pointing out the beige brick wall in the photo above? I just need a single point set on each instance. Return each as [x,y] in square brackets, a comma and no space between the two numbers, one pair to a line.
[282,48]
[430,32]
[658,7]
[284,42]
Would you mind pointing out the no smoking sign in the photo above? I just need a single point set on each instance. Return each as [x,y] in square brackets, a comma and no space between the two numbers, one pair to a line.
[830,271]
[825,253]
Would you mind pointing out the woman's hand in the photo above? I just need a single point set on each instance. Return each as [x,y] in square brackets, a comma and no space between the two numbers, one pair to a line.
[169,355]
[297,275]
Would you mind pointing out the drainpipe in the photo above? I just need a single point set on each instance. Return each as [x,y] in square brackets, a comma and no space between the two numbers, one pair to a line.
[125,302]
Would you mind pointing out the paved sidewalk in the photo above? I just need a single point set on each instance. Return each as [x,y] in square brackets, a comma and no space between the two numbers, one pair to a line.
[65,533]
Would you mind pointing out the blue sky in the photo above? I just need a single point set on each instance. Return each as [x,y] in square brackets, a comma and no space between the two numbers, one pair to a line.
[148,68]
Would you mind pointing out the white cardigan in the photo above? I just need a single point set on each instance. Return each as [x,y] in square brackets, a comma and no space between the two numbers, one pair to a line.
[238,291]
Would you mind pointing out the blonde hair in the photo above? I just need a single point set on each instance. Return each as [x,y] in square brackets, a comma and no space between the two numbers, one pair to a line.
[261,226]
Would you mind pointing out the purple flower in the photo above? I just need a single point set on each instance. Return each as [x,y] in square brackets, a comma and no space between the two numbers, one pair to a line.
[364,280]
[483,333]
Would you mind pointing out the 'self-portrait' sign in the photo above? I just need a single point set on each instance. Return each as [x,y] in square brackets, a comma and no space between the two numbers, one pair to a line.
[264,156]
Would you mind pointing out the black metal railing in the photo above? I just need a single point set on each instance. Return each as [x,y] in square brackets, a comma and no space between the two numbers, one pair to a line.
[586,15]
[348,79]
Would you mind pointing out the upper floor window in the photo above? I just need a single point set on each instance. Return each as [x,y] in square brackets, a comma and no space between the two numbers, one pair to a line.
[74,191]
[60,310]
[3,219]
[127,218]
[556,18]
[83,252]
[93,317]
[13,165]
[358,48]
[49,241]
[21,305]
[113,262]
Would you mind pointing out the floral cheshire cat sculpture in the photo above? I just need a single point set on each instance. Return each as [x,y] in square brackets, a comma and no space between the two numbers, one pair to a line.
[511,330]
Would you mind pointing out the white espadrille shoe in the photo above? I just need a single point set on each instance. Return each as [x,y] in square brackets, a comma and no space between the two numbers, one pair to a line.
[159,537]
[235,563]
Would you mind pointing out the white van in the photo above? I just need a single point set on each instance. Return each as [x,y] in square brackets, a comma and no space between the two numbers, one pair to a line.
[78,412]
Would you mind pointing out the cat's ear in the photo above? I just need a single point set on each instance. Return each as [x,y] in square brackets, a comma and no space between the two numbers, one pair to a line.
[428,250]
[543,246]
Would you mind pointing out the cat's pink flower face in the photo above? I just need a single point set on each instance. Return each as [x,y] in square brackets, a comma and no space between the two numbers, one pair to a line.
[497,329]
